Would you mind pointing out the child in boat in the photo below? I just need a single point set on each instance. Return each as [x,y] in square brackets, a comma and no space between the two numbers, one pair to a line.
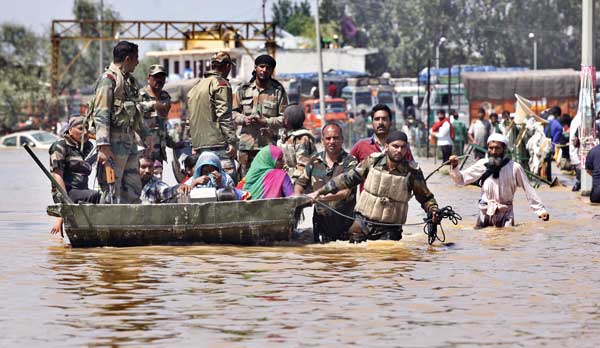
[189,163]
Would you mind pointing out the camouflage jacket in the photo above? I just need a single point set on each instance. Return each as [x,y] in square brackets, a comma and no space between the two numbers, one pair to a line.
[354,177]
[298,147]
[66,156]
[209,110]
[317,174]
[269,102]
[156,125]
[115,106]
[157,191]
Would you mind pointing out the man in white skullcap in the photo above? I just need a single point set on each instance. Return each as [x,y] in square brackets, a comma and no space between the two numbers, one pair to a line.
[499,177]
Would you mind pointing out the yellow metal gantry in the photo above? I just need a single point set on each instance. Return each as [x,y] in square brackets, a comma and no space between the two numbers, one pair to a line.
[110,30]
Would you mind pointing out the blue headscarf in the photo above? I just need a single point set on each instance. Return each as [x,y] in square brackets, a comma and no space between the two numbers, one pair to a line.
[210,158]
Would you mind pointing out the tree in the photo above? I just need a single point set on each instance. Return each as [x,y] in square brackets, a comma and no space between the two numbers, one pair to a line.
[478,32]
[84,72]
[141,71]
[294,18]
[22,70]
[331,10]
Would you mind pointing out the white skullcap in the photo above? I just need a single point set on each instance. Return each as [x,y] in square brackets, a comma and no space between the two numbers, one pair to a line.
[498,137]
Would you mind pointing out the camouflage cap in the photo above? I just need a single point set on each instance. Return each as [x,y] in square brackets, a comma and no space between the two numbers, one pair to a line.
[76,120]
[156,69]
[222,57]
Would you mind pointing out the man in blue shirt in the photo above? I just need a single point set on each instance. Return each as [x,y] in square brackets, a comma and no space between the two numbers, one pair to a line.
[555,129]
[592,166]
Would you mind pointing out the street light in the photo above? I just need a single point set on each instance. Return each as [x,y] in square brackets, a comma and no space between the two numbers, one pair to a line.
[437,52]
[532,37]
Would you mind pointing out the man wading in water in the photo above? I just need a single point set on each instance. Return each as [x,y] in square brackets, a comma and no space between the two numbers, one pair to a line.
[390,178]
[499,177]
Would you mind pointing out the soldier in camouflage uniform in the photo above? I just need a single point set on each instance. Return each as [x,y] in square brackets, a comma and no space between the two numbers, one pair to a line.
[210,111]
[258,108]
[333,161]
[155,104]
[69,167]
[297,143]
[390,180]
[116,116]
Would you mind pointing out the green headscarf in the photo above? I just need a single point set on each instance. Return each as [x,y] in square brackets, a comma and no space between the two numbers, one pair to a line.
[262,164]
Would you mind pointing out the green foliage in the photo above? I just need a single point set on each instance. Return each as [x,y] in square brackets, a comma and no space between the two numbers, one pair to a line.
[86,69]
[299,25]
[293,17]
[141,71]
[478,32]
[331,11]
[22,71]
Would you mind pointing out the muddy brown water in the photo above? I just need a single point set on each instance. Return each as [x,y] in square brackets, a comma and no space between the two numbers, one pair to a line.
[536,284]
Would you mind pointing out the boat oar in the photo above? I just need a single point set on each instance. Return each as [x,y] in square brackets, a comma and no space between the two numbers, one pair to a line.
[63,193]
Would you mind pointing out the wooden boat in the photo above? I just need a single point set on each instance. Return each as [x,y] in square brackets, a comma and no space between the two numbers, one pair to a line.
[259,222]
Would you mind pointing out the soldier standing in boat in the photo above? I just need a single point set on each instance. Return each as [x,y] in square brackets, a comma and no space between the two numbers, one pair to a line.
[390,180]
[155,104]
[210,112]
[117,117]
[258,108]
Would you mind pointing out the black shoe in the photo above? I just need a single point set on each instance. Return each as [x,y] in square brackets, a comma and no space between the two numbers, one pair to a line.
[576,187]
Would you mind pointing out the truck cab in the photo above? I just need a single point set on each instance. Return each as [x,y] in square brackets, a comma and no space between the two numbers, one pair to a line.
[366,92]
[335,110]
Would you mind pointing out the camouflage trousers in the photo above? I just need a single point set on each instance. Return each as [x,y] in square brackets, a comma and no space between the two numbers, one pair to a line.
[128,185]
[159,150]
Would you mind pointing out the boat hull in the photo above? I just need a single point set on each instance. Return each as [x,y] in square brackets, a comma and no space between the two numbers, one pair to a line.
[260,222]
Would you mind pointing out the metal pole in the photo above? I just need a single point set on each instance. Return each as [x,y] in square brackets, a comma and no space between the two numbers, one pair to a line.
[100,43]
[535,54]
[449,89]
[587,129]
[428,102]
[459,92]
[320,57]
[437,57]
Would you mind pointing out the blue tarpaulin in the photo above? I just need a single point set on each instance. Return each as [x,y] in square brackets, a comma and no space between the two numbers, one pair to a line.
[314,75]
[455,70]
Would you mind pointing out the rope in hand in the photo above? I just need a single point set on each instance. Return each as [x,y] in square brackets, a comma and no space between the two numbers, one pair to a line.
[353,218]
[431,228]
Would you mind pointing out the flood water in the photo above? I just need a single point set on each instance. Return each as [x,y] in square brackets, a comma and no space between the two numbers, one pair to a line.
[533,285]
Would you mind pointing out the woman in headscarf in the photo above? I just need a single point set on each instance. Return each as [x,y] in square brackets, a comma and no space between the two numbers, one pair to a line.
[209,173]
[266,178]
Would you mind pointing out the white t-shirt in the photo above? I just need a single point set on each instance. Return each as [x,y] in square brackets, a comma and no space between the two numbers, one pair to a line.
[443,135]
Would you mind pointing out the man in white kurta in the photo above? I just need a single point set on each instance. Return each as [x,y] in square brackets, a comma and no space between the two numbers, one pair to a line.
[501,177]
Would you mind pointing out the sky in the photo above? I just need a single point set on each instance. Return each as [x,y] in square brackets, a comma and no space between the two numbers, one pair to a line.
[38,14]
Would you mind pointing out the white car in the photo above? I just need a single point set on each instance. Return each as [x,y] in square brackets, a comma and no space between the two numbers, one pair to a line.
[35,138]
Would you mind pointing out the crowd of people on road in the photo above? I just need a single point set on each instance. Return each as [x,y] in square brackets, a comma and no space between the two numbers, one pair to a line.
[252,144]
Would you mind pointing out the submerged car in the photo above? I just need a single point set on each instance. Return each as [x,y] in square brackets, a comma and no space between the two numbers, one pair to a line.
[35,138]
